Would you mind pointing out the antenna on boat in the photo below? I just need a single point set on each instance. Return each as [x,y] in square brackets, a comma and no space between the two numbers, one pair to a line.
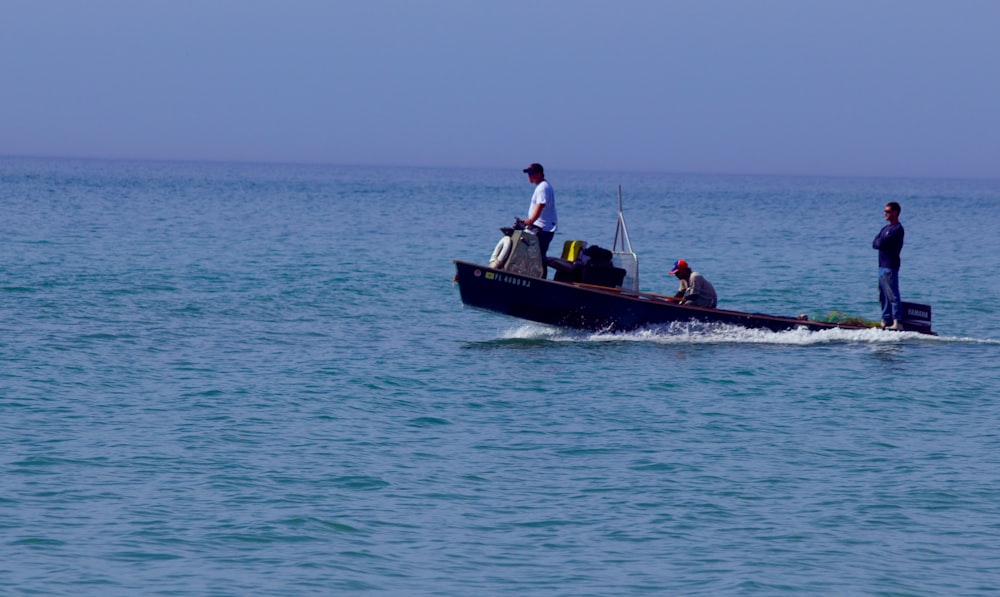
[626,256]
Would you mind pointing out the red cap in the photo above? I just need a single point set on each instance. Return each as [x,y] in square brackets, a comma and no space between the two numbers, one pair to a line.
[679,265]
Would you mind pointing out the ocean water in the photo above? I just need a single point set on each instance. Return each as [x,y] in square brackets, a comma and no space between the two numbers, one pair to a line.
[236,379]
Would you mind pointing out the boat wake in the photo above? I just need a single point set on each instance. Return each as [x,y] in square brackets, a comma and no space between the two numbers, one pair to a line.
[708,333]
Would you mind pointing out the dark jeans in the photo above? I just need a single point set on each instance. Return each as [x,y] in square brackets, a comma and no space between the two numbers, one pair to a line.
[544,239]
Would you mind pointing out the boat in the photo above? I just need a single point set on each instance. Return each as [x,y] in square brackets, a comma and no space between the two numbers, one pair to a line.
[597,289]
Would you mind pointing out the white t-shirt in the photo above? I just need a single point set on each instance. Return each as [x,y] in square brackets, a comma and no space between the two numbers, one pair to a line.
[544,195]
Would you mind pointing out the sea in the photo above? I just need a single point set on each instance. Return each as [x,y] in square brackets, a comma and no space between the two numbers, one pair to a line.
[259,379]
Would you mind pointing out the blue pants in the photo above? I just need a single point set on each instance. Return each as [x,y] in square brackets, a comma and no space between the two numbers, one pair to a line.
[888,295]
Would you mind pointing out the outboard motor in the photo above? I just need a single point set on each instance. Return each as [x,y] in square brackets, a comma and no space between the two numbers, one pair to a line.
[917,318]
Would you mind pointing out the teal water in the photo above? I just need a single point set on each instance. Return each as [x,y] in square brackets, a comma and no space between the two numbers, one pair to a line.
[259,379]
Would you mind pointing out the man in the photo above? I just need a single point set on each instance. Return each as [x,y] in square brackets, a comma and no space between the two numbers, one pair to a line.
[695,289]
[542,218]
[889,243]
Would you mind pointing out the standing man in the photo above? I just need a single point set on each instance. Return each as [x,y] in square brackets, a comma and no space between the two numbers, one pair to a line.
[542,218]
[889,243]
[695,289]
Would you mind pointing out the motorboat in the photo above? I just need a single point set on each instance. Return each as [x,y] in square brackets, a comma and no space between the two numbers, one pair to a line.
[593,288]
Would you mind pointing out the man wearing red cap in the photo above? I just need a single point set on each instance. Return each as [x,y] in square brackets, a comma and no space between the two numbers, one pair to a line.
[695,289]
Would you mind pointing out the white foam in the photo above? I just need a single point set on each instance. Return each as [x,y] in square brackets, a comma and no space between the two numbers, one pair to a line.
[700,333]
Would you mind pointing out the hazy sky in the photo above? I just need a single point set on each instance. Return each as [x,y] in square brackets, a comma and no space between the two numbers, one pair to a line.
[842,87]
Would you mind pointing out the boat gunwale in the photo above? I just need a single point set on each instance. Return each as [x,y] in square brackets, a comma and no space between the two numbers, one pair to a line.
[664,299]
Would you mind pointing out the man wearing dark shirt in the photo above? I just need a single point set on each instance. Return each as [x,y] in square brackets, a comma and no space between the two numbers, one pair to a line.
[889,243]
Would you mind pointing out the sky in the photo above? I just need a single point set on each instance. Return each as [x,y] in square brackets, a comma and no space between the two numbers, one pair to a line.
[801,87]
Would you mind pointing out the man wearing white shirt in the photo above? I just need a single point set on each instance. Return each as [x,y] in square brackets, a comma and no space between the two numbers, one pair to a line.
[542,217]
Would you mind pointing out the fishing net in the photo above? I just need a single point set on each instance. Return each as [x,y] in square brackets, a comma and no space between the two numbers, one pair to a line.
[847,319]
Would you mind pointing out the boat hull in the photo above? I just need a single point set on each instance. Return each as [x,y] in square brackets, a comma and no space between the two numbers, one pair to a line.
[597,308]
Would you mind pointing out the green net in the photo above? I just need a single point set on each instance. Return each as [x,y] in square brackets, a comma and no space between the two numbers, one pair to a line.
[847,319]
